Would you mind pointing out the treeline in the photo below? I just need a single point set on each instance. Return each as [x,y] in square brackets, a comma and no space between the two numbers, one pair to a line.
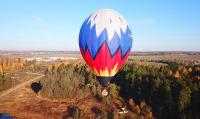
[172,91]
[71,79]
[9,65]
[62,81]
[61,77]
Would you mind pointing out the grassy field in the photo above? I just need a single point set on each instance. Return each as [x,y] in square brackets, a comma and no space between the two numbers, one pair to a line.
[190,59]
[168,57]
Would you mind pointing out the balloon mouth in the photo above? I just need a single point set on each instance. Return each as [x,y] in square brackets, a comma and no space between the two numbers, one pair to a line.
[104,80]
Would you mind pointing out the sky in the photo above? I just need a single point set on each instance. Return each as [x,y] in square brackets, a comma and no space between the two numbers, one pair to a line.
[157,25]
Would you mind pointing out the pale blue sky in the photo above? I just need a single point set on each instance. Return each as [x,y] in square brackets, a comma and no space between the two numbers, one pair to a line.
[157,25]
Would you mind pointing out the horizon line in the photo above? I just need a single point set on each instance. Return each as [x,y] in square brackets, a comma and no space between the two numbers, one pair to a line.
[79,51]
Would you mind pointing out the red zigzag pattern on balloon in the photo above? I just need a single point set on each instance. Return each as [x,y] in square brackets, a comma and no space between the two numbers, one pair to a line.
[99,64]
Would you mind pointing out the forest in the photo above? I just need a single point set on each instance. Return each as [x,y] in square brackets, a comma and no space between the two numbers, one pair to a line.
[147,91]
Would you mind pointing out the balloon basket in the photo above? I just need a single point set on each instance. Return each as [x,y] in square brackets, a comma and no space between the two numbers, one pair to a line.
[104,92]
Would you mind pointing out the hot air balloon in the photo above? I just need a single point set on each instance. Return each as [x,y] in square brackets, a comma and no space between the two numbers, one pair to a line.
[105,42]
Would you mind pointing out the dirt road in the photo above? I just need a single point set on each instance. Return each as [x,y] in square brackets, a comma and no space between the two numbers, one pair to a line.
[21,85]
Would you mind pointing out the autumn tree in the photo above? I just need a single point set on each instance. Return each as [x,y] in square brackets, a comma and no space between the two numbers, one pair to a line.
[1,71]
[177,74]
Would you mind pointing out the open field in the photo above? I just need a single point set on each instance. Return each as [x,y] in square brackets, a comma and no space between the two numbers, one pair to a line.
[168,57]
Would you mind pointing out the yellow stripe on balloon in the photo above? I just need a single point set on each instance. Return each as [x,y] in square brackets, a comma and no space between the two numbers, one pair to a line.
[114,70]
[105,72]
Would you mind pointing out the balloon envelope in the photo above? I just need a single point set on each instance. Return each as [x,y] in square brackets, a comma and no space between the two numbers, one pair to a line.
[105,41]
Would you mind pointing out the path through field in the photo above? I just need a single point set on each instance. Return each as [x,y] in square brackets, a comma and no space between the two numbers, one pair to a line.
[21,85]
